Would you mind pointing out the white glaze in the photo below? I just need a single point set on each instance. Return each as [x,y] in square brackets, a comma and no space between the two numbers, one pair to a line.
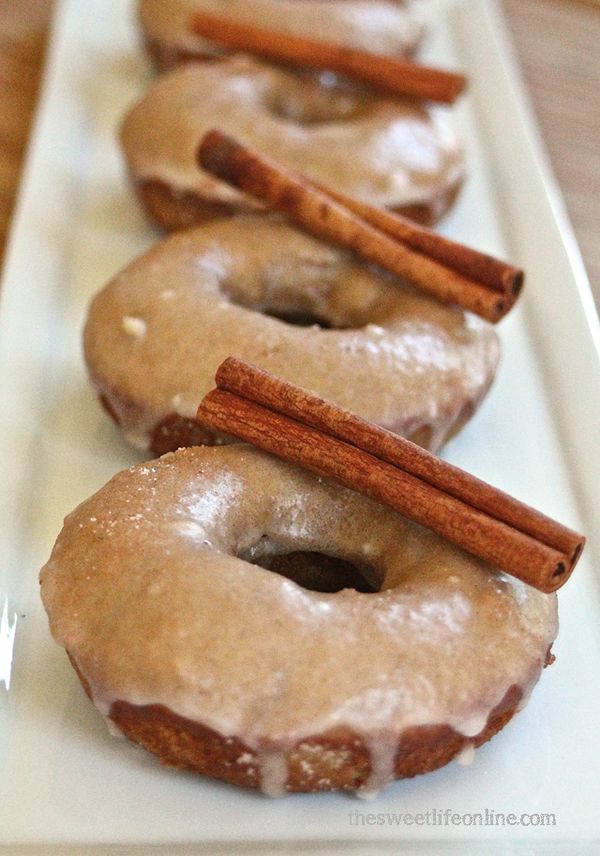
[273,771]
[466,756]
[135,327]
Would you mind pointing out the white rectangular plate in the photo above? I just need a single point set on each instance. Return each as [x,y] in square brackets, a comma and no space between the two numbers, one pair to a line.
[65,785]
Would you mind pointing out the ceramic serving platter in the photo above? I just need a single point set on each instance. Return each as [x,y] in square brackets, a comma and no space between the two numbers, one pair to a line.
[66,786]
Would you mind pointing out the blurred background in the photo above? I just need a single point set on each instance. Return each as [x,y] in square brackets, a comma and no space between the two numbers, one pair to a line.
[557,44]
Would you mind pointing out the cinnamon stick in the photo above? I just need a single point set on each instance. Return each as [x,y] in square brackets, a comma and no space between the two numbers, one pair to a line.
[396,76]
[481,267]
[240,378]
[319,214]
[301,428]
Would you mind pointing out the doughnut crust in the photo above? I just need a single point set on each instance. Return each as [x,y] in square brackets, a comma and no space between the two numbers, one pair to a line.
[395,153]
[156,334]
[159,588]
[379,26]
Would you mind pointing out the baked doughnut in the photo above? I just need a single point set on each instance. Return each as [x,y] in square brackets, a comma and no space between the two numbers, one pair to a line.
[391,152]
[173,591]
[245,286]
[389,27]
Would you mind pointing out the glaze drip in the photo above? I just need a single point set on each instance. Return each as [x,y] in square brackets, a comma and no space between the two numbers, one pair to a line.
[153,614]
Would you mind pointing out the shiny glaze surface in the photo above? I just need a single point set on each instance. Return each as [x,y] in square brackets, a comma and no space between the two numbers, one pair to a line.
[390,152]
[156,334]
[147,591]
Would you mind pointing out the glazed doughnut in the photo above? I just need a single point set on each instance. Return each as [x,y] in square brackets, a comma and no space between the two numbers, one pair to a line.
[173,591]
[388,27]
[391,152]
[244,286]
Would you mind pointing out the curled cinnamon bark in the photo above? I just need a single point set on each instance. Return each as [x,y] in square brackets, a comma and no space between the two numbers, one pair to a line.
[396,76]
[299,427]
[323,215]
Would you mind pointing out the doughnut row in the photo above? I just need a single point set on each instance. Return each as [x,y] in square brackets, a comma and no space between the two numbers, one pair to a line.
[233,614]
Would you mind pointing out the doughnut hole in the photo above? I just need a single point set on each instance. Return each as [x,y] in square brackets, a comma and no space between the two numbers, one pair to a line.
[306,100]
[314,570]
[299,319]
[329,297]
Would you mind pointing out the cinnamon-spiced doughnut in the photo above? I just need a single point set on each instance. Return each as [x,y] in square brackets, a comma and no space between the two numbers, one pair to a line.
[389,27]
[249,286]
[391,152]
[244,619]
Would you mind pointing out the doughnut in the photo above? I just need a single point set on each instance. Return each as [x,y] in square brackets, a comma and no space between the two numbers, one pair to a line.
[244,619]
[388,27]
[257,288]
[396,153]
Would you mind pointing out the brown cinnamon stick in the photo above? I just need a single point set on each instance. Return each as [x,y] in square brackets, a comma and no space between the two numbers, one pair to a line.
[481,267]
[396,76]
[299,427]
[321,215]
[238,377]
